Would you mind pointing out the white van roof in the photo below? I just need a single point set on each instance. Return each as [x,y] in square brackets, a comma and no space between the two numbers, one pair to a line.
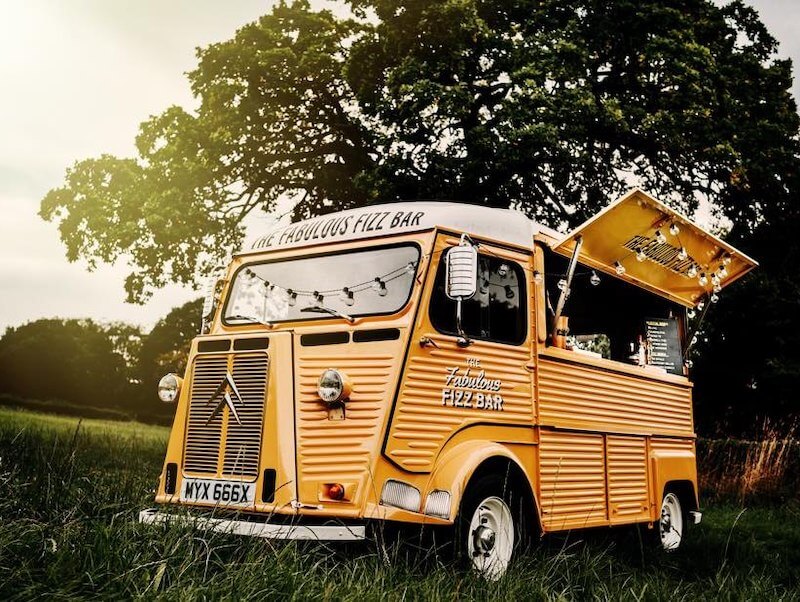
[504,225]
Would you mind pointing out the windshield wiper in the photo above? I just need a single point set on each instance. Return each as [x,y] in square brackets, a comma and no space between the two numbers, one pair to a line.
[321,309]
[251,319]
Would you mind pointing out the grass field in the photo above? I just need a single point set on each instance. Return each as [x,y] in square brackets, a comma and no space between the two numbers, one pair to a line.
[69,494]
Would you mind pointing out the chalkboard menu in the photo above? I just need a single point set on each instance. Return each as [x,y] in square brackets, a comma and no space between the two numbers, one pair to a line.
[664,343]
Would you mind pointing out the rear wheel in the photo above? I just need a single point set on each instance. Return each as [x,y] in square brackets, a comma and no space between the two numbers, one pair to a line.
[490,527]
[671,525]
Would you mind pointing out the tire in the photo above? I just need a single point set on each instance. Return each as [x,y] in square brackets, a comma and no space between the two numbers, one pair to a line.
[491,527]
[670,528]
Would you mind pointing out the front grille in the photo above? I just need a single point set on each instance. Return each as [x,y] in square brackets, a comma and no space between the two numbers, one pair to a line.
[216,444]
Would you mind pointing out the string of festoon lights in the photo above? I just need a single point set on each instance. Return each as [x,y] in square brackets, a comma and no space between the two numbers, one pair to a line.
[346,293]
[714,277]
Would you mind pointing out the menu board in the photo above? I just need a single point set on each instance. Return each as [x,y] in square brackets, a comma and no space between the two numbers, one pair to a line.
[664,343]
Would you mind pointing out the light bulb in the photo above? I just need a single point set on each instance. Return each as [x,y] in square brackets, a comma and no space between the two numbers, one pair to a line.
[692,271]
[660,237]
[537,277]
[691,313]
[640,256]
[562,285]
[347,296]
[318,299]
[701,305]
[682,254]
[703,279]
[411,267]
[594,279]
[714,280]
[509,292]
[726,260]
[674,229]
[619,268]
[714,298]
[502,271]
[292,298]
[723,272]
[379,286]
[717,288]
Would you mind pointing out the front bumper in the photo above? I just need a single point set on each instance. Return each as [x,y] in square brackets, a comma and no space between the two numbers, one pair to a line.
[257,528]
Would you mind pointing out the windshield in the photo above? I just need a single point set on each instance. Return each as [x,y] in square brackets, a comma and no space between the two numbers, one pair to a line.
[348,284]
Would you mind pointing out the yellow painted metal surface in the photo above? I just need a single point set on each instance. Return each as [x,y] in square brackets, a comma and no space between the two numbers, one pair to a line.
[572,476]
[632,224]
[577,394]
[628,492]
[343,451]
[433,405]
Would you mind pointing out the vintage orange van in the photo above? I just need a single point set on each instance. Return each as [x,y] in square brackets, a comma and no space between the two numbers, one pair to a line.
[447,364]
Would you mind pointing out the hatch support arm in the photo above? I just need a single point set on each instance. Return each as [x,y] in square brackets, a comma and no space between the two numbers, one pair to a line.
[562,298]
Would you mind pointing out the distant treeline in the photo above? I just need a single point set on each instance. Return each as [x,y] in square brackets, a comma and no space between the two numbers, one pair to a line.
[87,368]
[746,362]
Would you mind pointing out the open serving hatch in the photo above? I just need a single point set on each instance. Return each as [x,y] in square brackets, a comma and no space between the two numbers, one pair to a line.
[648,244]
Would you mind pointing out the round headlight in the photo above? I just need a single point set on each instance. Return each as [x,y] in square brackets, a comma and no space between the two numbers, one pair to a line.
[333,386]
[169,387]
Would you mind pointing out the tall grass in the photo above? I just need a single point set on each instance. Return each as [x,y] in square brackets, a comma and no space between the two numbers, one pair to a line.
[766,469]
[70,491]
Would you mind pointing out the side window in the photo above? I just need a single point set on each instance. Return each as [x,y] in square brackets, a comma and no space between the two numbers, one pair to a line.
[497,312]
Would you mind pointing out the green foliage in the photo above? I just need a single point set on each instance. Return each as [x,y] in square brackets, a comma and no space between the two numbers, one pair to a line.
[748,359]
[165,349]
[72,490]
[80,367]
[554,106]
[73,360]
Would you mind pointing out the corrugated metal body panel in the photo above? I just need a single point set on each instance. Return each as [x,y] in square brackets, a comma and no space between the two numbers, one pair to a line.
[660,444]
[221,446]
[201,454]
[572,395]
[572,480]
[341,448]
[424,419]
[243,441]
[626,458]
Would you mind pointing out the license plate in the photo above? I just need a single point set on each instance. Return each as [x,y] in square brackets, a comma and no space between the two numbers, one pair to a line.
[218,492]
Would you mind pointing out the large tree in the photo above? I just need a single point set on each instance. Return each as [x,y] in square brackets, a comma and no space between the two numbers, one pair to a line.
[554,106]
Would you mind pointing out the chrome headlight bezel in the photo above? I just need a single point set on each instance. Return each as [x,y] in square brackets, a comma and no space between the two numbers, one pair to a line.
[333,386]
[169,388]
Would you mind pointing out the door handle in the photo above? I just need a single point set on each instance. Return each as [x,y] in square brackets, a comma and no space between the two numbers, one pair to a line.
[426,341]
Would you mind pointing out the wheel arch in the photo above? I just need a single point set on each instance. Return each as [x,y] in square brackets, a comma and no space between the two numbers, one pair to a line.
[685,490]
[468,461]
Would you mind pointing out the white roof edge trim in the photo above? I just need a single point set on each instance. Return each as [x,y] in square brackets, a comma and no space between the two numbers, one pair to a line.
[503,225]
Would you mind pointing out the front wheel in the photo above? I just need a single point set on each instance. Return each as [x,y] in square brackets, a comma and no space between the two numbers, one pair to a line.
[490,526]
[671,524]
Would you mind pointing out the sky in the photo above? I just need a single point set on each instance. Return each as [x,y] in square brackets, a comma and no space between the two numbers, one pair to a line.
[76,80]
